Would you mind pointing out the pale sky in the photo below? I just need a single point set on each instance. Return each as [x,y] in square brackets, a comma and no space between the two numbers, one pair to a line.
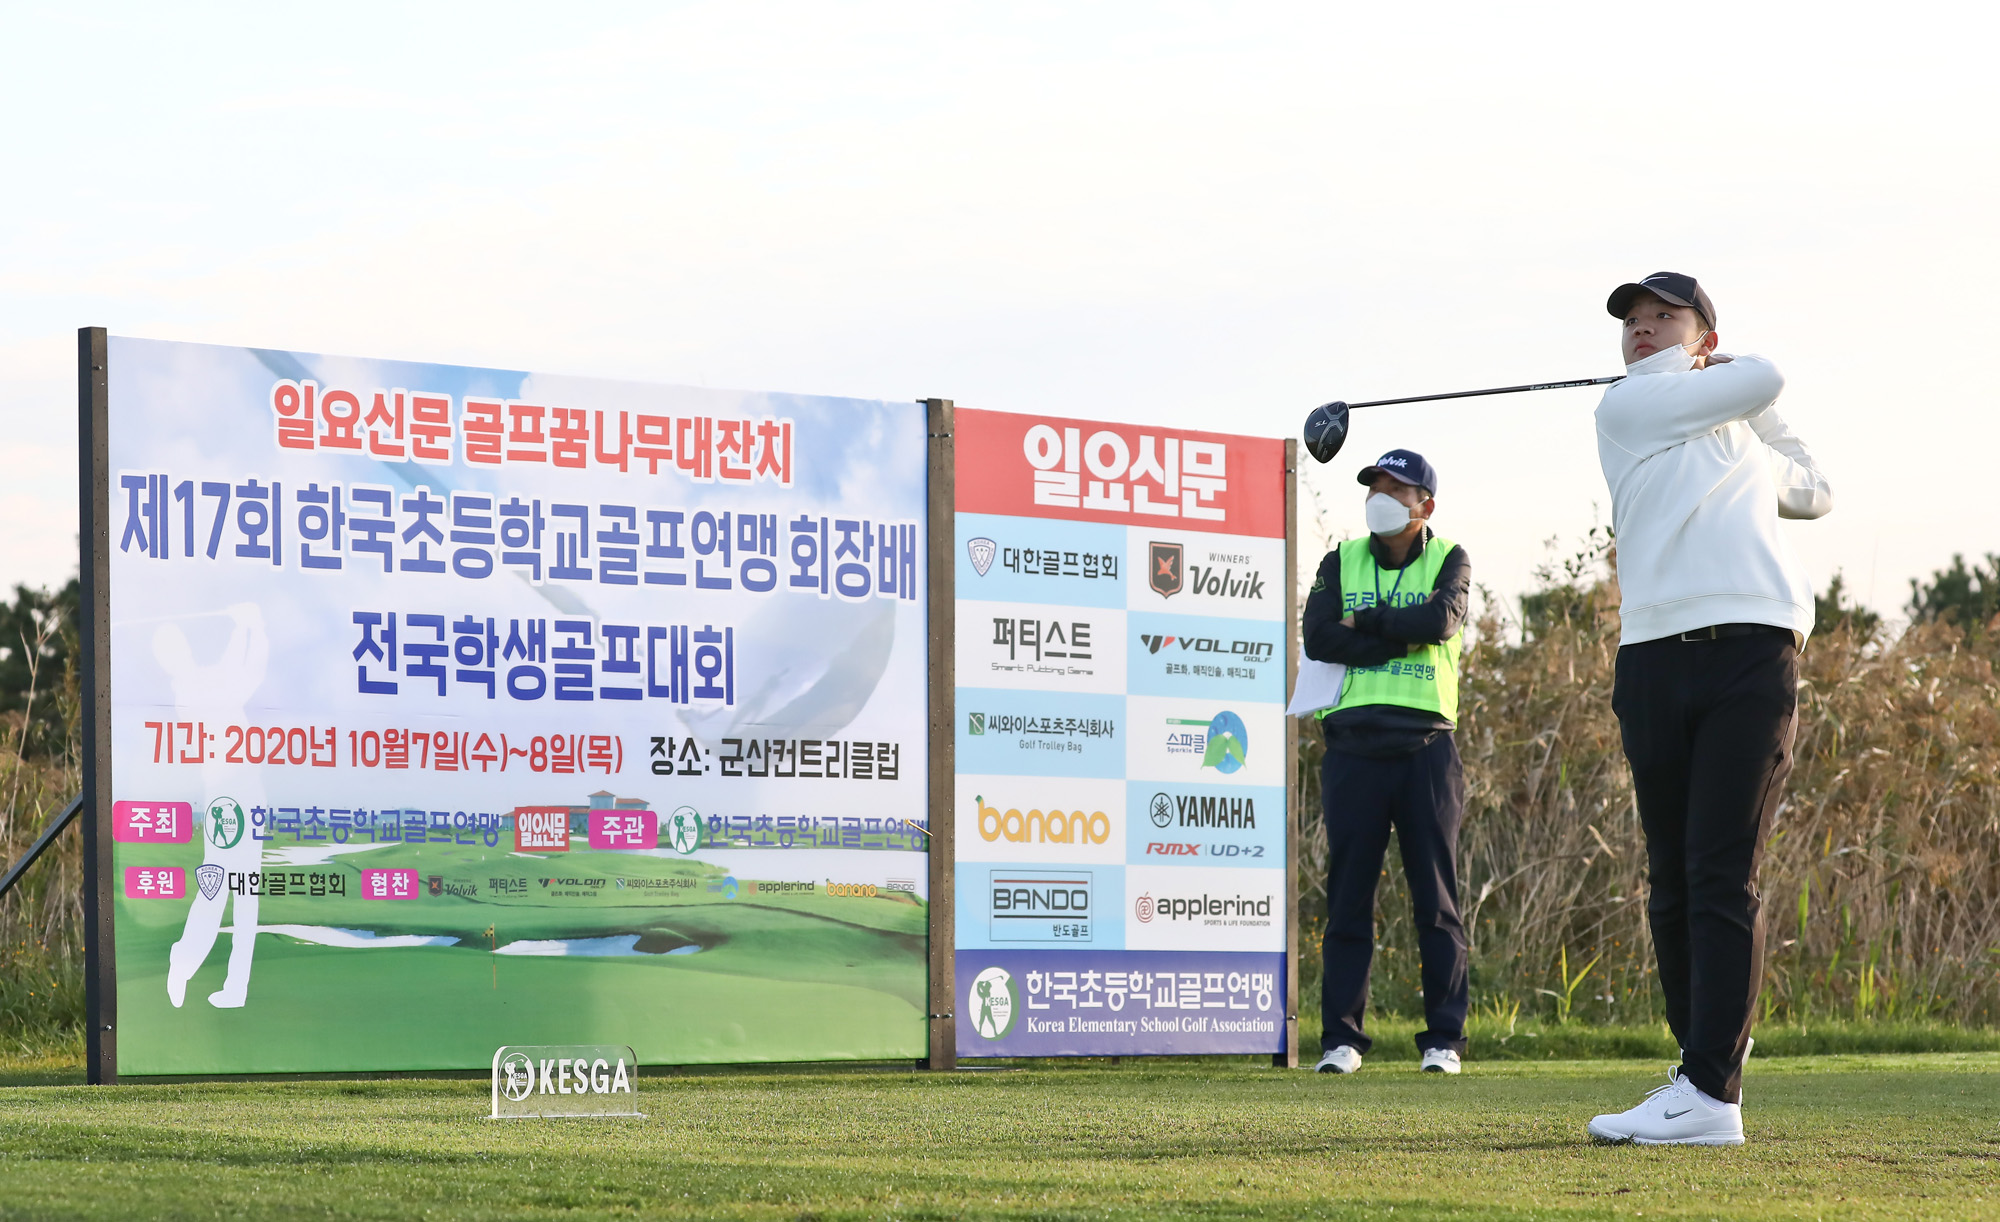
[1206,215]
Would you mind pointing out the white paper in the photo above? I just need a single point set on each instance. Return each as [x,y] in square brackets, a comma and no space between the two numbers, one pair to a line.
[1318,687]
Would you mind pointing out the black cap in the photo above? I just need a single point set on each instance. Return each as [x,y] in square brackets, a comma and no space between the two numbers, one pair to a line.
[1405,465]
[1670,287]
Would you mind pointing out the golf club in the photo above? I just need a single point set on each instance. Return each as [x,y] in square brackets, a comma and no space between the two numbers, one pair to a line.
[1326,427]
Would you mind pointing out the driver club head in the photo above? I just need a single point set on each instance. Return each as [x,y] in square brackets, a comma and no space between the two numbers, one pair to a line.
[1326,430]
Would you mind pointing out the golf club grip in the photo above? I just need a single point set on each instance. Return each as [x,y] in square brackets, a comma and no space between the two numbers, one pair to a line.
[1498,390]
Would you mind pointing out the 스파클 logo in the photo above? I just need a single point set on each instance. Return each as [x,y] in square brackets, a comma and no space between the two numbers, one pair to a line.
[993,1003]
[1163,568]
[1224,744]
[980,552]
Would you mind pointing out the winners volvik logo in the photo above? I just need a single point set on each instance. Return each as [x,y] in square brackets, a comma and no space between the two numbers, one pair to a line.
[1163,568]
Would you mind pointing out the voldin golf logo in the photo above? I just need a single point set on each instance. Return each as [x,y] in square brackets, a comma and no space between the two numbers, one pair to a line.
[993,1003]
[1248,651]
[980,552]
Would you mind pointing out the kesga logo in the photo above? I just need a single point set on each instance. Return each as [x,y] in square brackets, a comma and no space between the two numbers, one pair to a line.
[993,1003]
[1248,651]
[1052,826]
[541,829]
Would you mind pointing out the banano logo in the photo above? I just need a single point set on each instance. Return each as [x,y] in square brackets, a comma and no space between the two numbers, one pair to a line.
[1042,827]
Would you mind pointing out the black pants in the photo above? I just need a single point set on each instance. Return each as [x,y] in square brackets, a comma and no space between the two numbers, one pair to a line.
[1708,730]
[1423,797]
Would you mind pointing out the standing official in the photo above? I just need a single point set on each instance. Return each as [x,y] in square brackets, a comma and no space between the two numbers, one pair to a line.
[1391,607]
[1716,608]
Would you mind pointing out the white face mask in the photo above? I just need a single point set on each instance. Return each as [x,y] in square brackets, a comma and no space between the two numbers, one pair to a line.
[1385,514]
[1672,359]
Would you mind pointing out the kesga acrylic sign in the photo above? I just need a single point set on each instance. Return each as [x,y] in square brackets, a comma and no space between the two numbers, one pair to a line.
[538,1080]
[450,706]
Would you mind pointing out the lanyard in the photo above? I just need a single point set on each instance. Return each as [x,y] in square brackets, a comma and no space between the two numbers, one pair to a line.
[1408,563]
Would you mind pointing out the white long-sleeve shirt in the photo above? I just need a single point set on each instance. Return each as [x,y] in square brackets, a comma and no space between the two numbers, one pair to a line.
[1701,467]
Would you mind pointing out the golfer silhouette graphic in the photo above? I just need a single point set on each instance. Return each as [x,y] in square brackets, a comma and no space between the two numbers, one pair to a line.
[985,1023]
[215,694]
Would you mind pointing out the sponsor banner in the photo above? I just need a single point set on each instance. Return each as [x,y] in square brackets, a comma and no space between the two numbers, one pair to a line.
[1189,655]
[1041,647]
[1024,733]
[1240,575]
[1041,904]
[1212,909]
[1072,1002]
[1034,560]
[1204,825]
[534,702]
[1131,475]
[1211,742]
[1040,819]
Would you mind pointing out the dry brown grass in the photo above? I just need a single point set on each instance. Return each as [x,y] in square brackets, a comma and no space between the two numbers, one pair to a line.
[1881,881]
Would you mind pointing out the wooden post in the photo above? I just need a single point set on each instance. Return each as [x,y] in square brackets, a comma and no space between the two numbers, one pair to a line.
[1289,1058]
[100,976]
[941,621]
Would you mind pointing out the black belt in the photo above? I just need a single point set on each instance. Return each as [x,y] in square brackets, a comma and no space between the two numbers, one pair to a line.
[1716,632]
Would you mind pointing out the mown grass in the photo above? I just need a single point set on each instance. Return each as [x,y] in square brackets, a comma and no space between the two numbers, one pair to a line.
[1849,1137]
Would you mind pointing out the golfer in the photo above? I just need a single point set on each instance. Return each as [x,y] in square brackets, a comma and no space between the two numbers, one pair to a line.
[1390,607]
[1715,610]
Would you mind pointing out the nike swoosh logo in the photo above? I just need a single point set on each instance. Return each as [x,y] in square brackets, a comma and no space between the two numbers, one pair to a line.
[1677,1115]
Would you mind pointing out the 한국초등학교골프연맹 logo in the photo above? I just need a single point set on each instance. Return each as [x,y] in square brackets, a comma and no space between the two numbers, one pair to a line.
[992,1003]
[225,823]
[682,830]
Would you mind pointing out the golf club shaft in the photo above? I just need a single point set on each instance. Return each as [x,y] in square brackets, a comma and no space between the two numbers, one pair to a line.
[1498,390]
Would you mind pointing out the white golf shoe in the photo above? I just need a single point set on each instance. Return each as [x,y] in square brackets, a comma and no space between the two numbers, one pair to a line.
[1439,1060]
[1676,1114]
[1339,1060]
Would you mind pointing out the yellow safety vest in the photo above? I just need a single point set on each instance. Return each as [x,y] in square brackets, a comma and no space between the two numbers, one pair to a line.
[1426,679]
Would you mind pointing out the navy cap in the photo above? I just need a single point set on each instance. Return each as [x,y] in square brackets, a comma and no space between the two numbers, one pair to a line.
[1405,465]
[1670,287]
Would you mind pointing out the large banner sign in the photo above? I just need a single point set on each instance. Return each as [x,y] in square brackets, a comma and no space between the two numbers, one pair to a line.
[453,708]
[1120,818]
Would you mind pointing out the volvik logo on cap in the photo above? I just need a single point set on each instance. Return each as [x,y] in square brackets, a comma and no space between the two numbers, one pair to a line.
[1392,459]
